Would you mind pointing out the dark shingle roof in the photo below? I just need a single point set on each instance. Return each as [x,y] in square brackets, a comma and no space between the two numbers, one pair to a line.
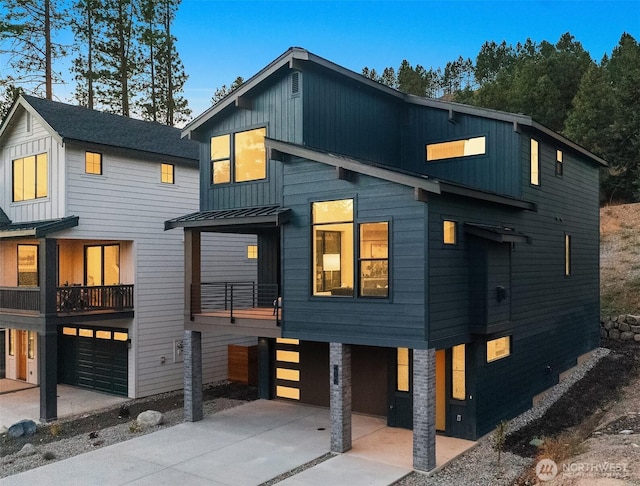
[4,219]
[84,125]
[37,229]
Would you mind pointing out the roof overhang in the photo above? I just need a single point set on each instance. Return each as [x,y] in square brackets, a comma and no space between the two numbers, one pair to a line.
[37,229]
[225,219]
[499,234]
[418,182]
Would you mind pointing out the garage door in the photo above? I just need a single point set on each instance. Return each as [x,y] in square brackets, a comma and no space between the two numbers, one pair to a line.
[94,358]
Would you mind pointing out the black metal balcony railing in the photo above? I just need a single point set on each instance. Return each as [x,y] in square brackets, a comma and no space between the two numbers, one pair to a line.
[246,300]
[77,298]
[21,299]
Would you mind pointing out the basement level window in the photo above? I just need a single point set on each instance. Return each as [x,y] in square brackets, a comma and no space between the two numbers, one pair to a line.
[456,148]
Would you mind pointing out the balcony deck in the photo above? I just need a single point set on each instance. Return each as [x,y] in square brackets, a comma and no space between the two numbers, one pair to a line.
[241,308]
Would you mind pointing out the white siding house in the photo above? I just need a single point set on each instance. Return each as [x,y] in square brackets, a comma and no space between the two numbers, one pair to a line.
[91,286]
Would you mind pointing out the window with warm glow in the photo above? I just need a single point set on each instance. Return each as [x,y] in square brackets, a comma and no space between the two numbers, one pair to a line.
[333,247]
[459,387]
[93,163]
[31,344]
[498,348]
[456,148]
[166,173]
[567,255]
[403,370]
[374,259]
[30,178]
[252,252]
[535,163]
[559,163]
[239,158]
[449,236]
[28,266]
[13,334]
[102,265]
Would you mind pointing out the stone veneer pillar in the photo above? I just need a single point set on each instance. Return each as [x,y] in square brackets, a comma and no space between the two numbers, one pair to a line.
[424,409]
[340,396]
[192,376]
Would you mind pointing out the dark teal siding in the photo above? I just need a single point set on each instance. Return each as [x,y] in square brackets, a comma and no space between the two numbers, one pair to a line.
[349,118]
[397,321]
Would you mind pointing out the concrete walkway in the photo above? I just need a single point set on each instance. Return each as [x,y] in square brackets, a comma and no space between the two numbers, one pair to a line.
[25,403]
[245,445]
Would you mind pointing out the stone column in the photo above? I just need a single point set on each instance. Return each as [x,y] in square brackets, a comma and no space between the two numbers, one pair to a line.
[424,409]
[192,376]
[340,396]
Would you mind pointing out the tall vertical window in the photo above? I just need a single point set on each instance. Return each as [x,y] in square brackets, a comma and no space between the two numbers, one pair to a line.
[333,247]
[559,163]
[13,334]
[166,173]
[374,259]
[567,255]
[28,265]
[30,178]
[535,163]
[449,232]
[239,158]
[102,265]
[31,344]
[93,163]
[458,371]
[402,378]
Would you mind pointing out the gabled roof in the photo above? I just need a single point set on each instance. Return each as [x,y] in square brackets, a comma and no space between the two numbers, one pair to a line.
[79,124]
[296,58]
[37,229]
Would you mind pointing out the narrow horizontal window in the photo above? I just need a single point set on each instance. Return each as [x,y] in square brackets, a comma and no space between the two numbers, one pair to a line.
[498,348]
[287,392]
[286,374]
[456,148]
[287,356]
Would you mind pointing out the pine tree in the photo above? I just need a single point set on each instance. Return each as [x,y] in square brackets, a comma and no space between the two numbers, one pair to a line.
[27,38]
[86,28]
[164,76]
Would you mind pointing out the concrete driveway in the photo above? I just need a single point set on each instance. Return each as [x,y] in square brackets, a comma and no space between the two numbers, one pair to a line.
[246,445]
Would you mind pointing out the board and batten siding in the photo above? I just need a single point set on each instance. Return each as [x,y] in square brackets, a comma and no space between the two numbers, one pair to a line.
[498,170]
[281,113]
[18,143]
[128,203]
[397,321]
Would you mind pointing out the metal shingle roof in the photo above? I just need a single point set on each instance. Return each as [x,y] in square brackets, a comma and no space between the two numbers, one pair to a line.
[37,229]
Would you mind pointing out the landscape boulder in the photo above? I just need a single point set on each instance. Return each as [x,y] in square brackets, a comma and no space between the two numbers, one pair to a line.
[24,427]
[624,327]
[614,334]
[149,418]
[627,336]
[27,450]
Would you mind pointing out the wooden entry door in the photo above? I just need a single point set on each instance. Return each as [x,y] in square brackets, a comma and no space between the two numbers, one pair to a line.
[21,347]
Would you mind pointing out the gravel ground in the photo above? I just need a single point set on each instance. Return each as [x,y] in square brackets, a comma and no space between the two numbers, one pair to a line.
[35,455]
[479,466]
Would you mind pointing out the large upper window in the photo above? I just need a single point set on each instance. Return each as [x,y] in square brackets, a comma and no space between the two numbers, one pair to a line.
[456,148]
[30,178]
[535,163]
[102,265]
[239,157]
[333,247]
[334,258]
[27,265]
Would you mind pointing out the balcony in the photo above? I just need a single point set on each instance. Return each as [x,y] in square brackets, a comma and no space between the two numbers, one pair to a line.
[244,308]
[70,299]
[80,299]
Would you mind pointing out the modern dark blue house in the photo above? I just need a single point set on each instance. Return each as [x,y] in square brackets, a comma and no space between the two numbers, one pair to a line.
[430,262]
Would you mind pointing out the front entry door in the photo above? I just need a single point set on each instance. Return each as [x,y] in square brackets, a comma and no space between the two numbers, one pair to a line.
[401,390]
[21,346]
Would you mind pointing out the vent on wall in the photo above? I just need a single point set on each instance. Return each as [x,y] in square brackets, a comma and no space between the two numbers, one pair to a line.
[295,83]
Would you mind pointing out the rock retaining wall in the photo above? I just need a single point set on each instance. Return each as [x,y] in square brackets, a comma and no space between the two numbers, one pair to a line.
[624,327]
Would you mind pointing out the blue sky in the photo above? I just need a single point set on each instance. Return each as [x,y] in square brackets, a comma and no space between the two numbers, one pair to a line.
[220,40]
